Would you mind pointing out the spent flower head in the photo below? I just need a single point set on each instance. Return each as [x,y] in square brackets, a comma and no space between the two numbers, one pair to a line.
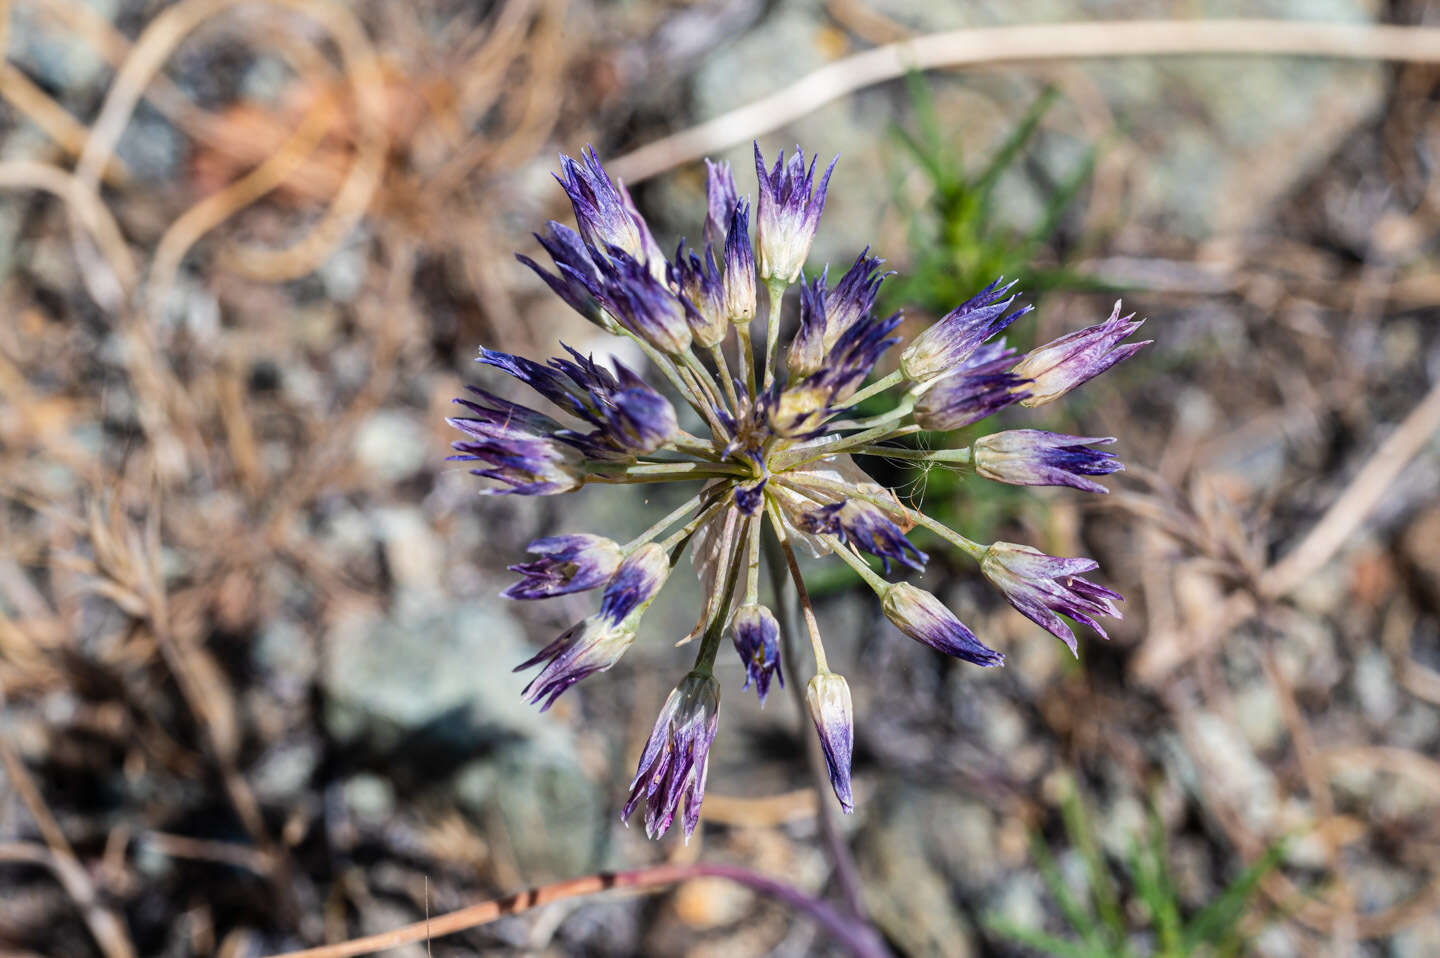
[769,435]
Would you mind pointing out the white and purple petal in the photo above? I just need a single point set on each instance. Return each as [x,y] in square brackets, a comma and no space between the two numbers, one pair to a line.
[670,776]
[828,698]
[1039,586]
[1034,457]
[945,346]
[787,214]
[756,635]
[1076,358]
[925,619]
[567,564]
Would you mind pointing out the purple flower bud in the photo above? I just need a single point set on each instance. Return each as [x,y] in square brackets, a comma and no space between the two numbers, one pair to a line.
[1033,457]
[750,495]
[604,211]
[945,346]
[1039,586]
[970,394]
[577,278]
[721,197]
[637,421]
[676,757]
[589,646]
[1069,361]
[866,526]
[643,304]
[630,417]
[828,696]
[788,213]
[527,463]
[635,583]
[700,282]
[739,275]
[801,410]
[568,564]
[757,639]
[925,619]
[825,315]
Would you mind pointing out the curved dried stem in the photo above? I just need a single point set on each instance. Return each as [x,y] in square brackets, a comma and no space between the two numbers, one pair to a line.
[857,939]
[1045,42]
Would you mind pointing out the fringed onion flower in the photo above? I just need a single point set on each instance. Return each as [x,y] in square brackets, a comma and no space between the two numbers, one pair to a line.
[773,441]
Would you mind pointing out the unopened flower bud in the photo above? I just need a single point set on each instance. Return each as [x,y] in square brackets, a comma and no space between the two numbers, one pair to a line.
[925,619]
[636,583]
[757,639]
[828,696]
[1060,366]
[567,564]
[672,768]
[1033,457]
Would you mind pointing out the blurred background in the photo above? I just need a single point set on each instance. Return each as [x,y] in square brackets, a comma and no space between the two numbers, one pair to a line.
[256,677]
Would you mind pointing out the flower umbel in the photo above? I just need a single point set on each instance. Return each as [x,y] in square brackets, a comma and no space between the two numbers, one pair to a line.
[771,443]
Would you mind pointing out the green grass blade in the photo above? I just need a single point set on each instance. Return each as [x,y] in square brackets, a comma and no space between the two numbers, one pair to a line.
[1060,201]
[1042,941]
[1217,920]
[1005,155]
[1107,900]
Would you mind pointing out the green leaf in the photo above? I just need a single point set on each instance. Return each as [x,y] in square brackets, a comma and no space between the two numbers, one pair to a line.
[1218,920]
[1004,156]
[1042,941]
[1077,826]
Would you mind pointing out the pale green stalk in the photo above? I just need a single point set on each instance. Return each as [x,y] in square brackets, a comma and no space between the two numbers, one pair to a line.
[816,646]
[971,548]
[706,410]
[879,386]
[722,368]
[681,512]
[872,579]
[805,454]
[689,528]
[950,456]
[899,412]
[752,572]
[746,349]
[661,471]
[775,290]
[704,379]
[661,362]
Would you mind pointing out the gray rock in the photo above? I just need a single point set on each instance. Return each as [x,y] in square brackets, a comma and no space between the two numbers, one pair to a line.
[285,771]
[554,815]
[369,797]
[1419,940]
[964,841]
[392,446]
[443,672]
[413,552]
[1375,686]
[1224,757]
[1259,716]
[908,898]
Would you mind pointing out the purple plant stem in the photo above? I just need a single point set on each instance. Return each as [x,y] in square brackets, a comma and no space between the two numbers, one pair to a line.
[852,934]
[847,876]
